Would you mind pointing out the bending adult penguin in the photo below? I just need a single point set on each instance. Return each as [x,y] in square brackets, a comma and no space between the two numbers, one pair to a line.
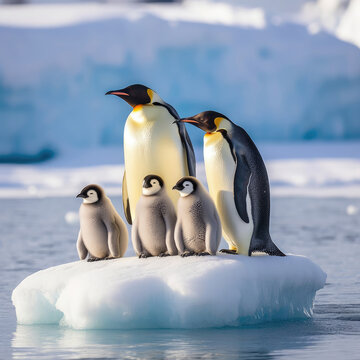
[103,234]
[198,227]
[238,184]
[153,230]
[154,143]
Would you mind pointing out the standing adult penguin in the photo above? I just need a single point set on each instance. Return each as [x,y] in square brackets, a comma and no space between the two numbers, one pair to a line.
[153,229]
[238,184]
[198,227]
[103,234]
[154,143]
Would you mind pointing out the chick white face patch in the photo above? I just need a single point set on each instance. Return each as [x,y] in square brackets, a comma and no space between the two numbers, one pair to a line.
[92,197]
[155,188]
[187,190]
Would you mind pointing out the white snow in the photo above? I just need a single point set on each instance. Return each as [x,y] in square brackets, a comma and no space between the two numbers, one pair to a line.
[172,292]
[315,170]
[349,26]
[315,177]
[338,17]
[57,15]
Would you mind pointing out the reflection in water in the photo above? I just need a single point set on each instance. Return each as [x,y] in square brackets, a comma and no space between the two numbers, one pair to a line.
[260,342]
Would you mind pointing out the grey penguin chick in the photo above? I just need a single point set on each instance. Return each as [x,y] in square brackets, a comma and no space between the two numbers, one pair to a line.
[103,234]
[155,218]
[198,226]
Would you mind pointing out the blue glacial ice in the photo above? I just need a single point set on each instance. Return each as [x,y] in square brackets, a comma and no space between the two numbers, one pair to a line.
[174,292]
[277,81]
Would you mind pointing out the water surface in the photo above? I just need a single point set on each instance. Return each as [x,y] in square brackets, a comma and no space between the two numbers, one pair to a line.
[35,235]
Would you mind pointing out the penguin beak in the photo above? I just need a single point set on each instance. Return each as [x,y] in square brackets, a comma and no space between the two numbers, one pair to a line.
[123,94]
[81,196]
[117,93]
[178,187]
[200,124]
[147,185]
[189,120]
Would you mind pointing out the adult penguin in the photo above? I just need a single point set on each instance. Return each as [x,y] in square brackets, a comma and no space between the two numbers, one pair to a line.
[154,143]
[238,184]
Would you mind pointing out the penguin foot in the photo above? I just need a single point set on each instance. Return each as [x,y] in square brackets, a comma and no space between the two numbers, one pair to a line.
[110,258]
[143,256]
[187,253]
[205,253]
[164,254]
[228,251]
[93,259]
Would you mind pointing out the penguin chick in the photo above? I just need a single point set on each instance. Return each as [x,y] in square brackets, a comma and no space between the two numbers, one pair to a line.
[153,228]
[103,234]
[198,227]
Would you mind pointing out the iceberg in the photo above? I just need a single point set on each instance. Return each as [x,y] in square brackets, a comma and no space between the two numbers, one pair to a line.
[278,81]
[173,292]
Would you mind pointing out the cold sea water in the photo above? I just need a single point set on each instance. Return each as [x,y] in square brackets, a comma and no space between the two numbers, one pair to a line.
[35,235]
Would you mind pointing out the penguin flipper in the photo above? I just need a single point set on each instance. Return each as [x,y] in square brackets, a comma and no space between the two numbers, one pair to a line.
[241,176]
[125,199]
[241,181]
[185,139]
[81,248]
[189,150]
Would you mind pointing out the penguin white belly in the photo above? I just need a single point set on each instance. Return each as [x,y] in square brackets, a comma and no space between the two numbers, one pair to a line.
[220,171]
[152,145]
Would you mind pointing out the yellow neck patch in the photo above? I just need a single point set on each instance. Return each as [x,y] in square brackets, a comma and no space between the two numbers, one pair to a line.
[212,138]
[137,107]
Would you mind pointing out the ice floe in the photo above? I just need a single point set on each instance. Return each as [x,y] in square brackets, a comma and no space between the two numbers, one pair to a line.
[172,292]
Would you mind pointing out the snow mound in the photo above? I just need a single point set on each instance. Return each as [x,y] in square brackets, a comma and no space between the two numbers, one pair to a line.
[171,292]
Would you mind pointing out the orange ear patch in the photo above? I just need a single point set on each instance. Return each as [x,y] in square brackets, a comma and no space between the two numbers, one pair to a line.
[217,121]
[150,93]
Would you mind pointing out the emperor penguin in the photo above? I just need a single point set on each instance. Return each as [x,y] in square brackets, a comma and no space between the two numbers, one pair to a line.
[238,183]
[153,228]
[198,226]
[103,234]
[154,143]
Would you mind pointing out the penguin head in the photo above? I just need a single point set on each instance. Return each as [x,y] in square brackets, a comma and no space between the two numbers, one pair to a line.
[91,194]
[209,121]
[137,95]
[186,186]
[152,184]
